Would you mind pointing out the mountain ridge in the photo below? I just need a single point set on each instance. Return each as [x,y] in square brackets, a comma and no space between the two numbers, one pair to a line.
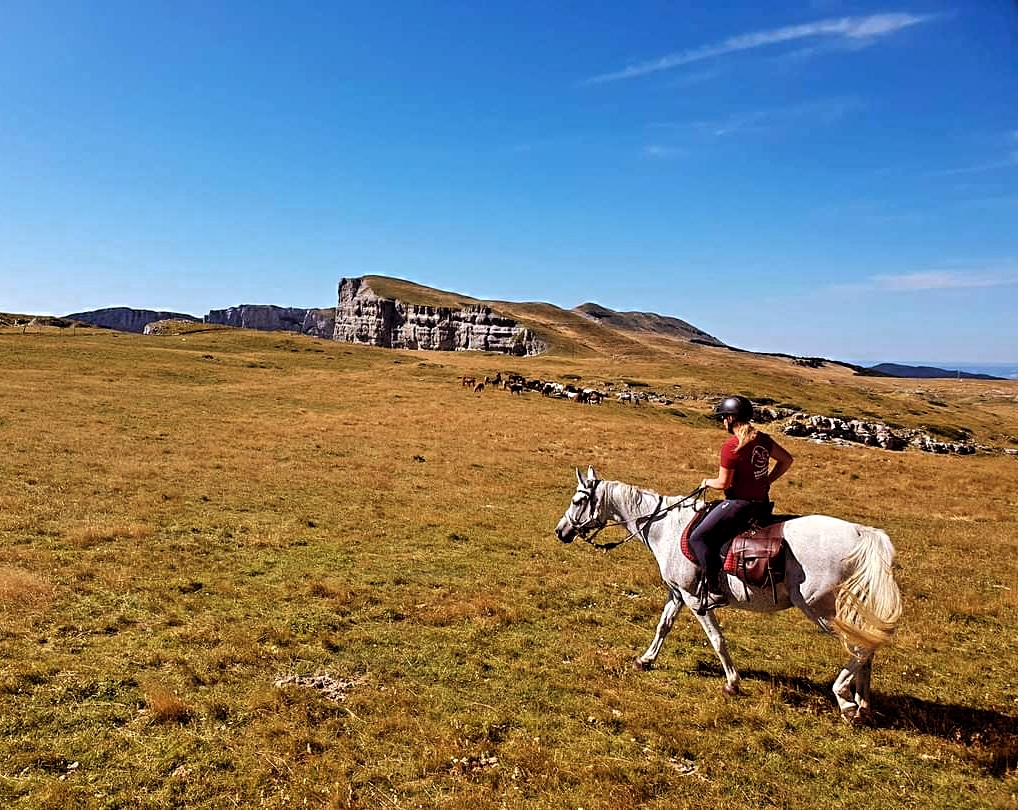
[635,321]
[580,329]
[926,372]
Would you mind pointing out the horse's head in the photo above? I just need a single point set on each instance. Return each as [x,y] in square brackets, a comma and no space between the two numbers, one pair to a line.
[584,514]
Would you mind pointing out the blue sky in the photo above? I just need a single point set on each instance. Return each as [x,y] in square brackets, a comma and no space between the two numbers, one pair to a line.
[820,177]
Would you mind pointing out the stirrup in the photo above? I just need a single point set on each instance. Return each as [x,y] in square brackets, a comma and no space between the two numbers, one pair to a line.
[708,596]
[711,601]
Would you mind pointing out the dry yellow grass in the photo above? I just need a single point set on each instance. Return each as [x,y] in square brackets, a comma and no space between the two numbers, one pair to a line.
[163,705]
[187,518]
[24,590]
[94,530]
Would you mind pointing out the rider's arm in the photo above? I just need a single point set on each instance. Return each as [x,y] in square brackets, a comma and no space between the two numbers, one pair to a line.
[783,461]
[723,481]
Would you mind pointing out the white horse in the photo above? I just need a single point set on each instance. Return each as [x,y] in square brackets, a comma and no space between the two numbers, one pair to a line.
[837,573]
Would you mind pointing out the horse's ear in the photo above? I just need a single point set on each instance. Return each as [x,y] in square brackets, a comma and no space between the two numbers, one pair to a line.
[591,475]
[579,478]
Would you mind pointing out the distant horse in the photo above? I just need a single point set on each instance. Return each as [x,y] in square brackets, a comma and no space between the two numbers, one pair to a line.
[837,573]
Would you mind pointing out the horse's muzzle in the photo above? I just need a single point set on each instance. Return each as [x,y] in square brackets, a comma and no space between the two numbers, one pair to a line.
[565,531]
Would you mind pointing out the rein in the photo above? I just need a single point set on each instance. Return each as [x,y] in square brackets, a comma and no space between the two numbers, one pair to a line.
[647,519]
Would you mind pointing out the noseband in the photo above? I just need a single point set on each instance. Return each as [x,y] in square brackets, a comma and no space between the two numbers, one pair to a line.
[594,522]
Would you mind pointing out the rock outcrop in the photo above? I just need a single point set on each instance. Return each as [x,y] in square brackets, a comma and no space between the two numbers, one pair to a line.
[125,319]
[266,317]
[872,434]
[170,327]
[364,317]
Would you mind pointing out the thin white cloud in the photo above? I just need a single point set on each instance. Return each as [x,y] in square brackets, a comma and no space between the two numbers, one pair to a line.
[662,151]
[854,30]
[1004,156]
[719,127]
[1003,201]
[1005,276]
[1010,162]
[799,116]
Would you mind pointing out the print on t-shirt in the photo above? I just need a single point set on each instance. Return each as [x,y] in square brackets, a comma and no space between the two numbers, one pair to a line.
[761,459]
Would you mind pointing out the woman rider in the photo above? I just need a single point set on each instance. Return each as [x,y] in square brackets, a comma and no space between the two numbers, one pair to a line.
[745,475]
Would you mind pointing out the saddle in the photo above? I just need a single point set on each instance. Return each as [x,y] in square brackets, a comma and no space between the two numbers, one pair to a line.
[756,555]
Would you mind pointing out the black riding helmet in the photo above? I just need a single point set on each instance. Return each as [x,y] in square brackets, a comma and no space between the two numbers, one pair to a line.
[739,407]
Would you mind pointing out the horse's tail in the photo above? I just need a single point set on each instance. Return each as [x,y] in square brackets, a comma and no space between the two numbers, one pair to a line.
[868,605]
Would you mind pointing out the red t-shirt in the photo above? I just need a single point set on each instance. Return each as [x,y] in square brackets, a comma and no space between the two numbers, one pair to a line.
[751,465]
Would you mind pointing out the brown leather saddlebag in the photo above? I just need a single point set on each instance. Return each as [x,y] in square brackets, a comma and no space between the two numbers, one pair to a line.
[757,556]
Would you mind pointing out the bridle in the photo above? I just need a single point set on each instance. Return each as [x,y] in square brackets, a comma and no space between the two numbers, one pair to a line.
[597,524]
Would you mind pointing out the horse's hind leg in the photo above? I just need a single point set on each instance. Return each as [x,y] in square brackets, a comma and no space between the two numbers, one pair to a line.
[664,626]
[862,686]
[843,691]
[852,686]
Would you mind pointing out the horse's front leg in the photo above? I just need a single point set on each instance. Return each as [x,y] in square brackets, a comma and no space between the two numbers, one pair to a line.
[664,626]
[717,640]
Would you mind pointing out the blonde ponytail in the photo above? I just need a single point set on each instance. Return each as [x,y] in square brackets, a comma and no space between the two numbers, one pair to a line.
[745,431]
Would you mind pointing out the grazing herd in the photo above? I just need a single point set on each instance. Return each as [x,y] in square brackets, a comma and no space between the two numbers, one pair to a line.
[517,384]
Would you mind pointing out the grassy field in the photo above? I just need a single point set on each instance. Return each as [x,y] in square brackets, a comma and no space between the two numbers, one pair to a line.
[189,521]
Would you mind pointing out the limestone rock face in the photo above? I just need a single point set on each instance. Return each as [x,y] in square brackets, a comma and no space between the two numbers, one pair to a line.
[314,322]
[126,319]
[364,317]
[173,326]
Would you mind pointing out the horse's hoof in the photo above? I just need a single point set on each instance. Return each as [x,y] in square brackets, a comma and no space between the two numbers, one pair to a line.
[640,664]
[731,690]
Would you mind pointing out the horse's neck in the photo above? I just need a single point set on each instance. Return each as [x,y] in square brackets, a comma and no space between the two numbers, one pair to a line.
[629,504]
[635,508]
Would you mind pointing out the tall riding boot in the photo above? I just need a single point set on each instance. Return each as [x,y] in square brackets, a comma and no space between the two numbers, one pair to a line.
[712,595]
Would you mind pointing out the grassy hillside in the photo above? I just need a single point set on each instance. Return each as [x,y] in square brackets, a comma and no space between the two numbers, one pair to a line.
[661,354]
[189,519]
[386,287]
[647,322]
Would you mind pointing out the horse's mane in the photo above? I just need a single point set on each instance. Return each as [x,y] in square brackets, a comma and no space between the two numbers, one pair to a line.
[632,498]
[627,495]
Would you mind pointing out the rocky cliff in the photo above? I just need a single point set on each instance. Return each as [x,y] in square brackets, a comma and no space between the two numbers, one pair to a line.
[125,319]
[315,322]
[364,317]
